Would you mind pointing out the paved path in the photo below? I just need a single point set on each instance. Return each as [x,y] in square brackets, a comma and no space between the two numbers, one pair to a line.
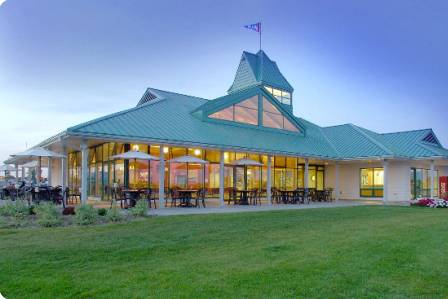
[238,209]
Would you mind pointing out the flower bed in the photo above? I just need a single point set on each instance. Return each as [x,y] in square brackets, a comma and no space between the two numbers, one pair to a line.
[430,202]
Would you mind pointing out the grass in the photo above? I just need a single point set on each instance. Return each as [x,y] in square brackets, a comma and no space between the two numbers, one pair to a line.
[357,252]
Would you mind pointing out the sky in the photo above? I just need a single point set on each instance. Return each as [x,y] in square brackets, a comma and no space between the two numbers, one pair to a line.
[378,64]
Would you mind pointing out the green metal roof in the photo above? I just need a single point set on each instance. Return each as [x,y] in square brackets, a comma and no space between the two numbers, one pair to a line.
[170,118]
[258,69]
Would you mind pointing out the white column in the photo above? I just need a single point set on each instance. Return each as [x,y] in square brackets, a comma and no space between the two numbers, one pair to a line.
[431,178]
[64,172]
[17,171]
[336,181]
[269,181]
[49,165]
[23,173]
[39,170]
[305,183]
[161,178]
[221,179]
[385,181]
[84,171]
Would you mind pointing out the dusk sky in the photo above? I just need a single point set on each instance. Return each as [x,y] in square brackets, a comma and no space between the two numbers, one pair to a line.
[381,65]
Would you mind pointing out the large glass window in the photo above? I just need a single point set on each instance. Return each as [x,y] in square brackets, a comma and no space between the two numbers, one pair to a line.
[243,112]
[371,182]
[282,96]
[421,182]
[273,118]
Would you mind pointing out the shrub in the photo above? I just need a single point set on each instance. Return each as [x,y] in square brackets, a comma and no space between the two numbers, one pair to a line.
[18,208]
[48,215]
[85,214]
[32,210]
[114,214]
[140,209]
[68,210]
[102,211]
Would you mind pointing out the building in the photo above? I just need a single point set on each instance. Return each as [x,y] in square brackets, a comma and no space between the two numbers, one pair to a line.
[255,120]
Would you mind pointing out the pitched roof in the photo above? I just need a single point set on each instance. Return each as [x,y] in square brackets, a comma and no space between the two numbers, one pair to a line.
[170,120]
[258,69]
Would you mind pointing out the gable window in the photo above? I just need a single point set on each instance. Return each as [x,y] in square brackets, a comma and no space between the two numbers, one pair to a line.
[243,112]
[273,118]
[282,96]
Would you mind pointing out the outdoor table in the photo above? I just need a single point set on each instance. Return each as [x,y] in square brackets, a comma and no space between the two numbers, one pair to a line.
[186,196]
[134,195]
[243,196]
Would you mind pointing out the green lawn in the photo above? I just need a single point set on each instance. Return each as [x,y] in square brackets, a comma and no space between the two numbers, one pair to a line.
[358,252]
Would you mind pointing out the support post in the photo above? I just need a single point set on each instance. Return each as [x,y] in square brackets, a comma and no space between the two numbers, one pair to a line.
[336,183]
[39,170]
[17,171]
[49,173]
[305,183]
[23,173]
[385,181]
[221,179]
[64,173]
[269,181]
[161,178]
[431,178]
[84,170]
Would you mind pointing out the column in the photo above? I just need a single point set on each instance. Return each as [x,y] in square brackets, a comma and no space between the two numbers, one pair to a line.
[269,182]
[39,170]
[336,181]
[305,183]
[64,172]
[221,179]
[17,171]
[385,181]
[431,178]
[49,165]
[84,170]
[161,178]
[23,173]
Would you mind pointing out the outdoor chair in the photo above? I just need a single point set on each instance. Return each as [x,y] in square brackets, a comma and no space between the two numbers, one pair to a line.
[72,197]
[175,196]
[148,195]
[233,197]
[276,196]
[200,196]
[254,197]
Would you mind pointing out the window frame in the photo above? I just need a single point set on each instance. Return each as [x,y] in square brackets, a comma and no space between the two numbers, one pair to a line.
[372,188]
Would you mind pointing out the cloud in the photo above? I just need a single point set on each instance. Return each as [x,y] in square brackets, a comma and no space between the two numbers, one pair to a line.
[2,1]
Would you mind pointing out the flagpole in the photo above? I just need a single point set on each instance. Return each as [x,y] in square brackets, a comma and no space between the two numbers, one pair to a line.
[260,36]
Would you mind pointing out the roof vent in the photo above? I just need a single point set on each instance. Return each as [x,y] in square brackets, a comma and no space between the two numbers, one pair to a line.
[148,96]
[430,138]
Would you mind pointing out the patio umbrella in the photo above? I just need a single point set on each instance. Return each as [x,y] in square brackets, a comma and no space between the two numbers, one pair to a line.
[31,164]
[188,159]
[246,162]
[35,152]
[7,168]
[134,155]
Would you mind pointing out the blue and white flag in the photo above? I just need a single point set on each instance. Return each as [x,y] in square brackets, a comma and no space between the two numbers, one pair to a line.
[255,27]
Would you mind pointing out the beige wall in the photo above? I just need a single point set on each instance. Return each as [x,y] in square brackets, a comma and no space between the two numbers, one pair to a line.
[56,178]
[399,188]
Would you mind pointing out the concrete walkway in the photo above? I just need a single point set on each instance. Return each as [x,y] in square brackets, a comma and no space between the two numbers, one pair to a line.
[238,209]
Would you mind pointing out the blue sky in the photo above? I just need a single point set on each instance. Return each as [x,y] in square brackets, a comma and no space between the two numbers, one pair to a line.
[378,64]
